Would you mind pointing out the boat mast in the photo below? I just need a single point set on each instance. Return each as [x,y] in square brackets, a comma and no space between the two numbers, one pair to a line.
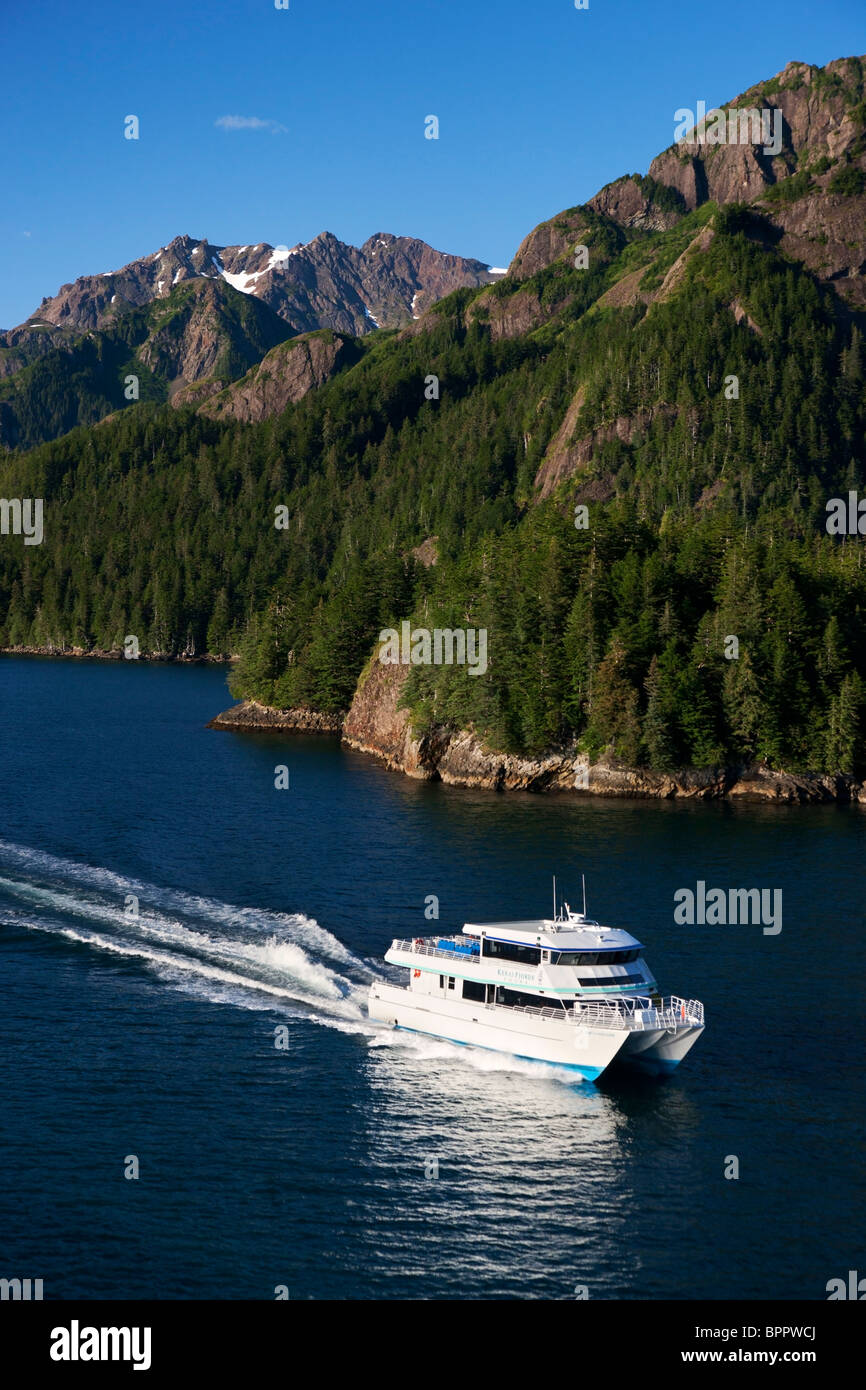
[554,897]
[583,881]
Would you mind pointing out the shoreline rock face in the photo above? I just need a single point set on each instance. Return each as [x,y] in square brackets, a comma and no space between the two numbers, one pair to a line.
[375,724]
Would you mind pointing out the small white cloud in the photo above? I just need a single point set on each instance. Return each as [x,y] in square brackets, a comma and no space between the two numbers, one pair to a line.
[28,233]
[250,123]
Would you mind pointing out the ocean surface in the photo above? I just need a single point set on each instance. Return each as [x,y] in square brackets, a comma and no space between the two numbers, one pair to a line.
[165,911]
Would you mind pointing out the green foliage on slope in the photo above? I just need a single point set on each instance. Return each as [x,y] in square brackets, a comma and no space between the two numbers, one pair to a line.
[707,519]
[85,379]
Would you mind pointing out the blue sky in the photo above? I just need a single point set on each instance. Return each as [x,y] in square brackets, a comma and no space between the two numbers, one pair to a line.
[539,106]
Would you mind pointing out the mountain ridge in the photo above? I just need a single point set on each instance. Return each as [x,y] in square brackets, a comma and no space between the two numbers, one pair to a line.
[323,283]
[177,318]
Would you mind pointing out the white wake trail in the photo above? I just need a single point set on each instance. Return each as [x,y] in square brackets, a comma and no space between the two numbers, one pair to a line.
[303,930]
[200,945]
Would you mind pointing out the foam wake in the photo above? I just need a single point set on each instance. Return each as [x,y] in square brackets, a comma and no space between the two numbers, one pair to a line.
[229,954]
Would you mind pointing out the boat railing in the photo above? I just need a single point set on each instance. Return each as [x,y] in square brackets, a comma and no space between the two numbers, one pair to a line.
[687,1010]
[638,1015]
[559,1013]
[641,1013]
[420,947]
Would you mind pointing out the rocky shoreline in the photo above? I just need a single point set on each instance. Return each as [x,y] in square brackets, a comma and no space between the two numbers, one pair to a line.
[252,716]
[376,724]
[116,654]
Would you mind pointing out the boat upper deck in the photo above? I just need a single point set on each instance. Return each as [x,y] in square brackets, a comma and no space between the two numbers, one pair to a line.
[576,933]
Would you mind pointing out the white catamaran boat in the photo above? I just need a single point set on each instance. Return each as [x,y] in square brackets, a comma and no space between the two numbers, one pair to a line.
[563,990]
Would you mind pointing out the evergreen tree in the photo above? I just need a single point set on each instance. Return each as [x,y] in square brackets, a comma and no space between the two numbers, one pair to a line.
[614,724]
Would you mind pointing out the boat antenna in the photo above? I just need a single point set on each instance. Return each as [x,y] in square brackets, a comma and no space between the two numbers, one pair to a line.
[583,881]
[554,897]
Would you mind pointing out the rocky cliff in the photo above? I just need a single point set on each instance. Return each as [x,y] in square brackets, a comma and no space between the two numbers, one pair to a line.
[283,376]
[811,195]
[377,724]
[807,201]
[205,330]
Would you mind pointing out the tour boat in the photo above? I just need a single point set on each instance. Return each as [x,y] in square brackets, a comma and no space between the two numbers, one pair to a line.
[563,990]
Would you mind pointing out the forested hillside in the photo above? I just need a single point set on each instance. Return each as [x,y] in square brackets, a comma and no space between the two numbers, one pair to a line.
[697,388]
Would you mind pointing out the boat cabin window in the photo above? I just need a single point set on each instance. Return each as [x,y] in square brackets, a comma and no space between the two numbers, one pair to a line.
[510,950]
[472,990]
[594,957]
[442,979]
[608,980]
[519,998]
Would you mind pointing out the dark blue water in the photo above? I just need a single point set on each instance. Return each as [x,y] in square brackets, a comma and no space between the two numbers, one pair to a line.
[154,1036]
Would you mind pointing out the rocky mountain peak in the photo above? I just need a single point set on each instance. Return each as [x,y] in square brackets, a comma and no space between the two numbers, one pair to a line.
[324,283]
[793,146]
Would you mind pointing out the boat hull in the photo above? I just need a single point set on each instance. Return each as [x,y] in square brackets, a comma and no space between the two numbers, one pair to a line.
[659,1051]
[587,1051]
